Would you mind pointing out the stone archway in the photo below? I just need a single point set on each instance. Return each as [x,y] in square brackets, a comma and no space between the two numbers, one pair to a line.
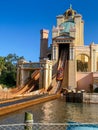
[97,63]
[83,63]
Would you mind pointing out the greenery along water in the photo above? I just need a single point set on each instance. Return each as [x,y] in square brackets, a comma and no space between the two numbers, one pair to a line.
[56,111]
[8,66]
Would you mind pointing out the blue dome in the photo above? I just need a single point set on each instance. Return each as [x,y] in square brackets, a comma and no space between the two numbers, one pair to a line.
[67,26]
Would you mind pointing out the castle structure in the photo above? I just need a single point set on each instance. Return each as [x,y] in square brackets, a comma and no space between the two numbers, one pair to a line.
[67,51]
[81,69]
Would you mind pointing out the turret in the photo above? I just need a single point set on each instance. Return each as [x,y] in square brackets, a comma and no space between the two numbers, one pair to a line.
[43,43]
[70,23]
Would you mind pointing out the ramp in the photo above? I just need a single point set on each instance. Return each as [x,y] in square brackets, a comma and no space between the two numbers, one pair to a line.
[29,86]
[57,80]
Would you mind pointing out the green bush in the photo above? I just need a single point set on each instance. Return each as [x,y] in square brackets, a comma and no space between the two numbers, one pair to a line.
[96,90]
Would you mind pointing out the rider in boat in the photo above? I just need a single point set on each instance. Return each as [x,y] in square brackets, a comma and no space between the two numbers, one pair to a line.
[60,74]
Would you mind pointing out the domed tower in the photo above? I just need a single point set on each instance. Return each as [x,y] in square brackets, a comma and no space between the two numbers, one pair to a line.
[71,23]
[70,13]
[67,35]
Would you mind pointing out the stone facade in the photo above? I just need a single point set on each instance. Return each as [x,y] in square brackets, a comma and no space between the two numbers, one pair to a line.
[69,34]
[67,51]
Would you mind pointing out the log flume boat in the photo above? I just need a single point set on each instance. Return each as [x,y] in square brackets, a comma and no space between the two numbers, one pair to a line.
[60,74]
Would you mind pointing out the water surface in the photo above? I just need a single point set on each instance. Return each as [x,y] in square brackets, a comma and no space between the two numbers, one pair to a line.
[56,111]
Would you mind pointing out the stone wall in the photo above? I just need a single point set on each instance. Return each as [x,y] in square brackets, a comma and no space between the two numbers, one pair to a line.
[90,97]
[84,79]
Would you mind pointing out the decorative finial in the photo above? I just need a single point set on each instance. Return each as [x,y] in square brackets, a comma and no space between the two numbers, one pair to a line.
[70,6]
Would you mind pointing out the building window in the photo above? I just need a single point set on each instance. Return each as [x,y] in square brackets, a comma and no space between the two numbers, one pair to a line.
[82,63]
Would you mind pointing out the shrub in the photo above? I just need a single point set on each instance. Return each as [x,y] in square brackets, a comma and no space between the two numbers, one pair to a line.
[96,90]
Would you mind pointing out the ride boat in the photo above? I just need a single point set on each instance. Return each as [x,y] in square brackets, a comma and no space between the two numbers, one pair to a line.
[60,74]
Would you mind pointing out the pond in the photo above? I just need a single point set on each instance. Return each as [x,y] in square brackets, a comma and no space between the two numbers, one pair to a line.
[55,111]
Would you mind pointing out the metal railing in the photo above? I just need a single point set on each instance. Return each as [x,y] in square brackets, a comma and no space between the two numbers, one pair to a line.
[12,127]
[34,126]
[49,126]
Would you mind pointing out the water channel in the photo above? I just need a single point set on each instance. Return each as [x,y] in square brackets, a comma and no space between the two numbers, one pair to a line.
[55,111]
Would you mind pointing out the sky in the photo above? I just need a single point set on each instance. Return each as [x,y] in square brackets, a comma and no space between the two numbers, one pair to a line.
[22,20]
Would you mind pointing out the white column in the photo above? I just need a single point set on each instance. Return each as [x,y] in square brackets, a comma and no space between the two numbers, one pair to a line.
[18,76]
[91,59]
[55,52]
[50,74]
[46,77]
[94,60]
[21,77]
[52,52]
[71,53]
[41,80]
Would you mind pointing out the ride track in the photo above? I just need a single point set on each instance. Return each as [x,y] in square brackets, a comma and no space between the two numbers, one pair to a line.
[26,89]
[30,85]
[58,78]
[12,106]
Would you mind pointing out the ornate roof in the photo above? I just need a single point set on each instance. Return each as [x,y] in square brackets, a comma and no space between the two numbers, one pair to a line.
[64,36]
[70,12]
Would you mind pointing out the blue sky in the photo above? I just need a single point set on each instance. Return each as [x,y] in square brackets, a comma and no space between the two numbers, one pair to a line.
[22,20]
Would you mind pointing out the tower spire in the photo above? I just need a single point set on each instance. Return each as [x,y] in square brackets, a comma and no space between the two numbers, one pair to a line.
[70,6]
